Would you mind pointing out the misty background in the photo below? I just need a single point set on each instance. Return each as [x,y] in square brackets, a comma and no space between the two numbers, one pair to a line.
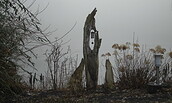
[116,20]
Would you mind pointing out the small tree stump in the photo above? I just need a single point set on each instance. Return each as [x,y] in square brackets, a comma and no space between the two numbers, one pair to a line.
[75,82]
[109,77]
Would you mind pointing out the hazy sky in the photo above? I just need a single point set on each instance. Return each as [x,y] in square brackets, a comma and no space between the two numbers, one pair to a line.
[116,20]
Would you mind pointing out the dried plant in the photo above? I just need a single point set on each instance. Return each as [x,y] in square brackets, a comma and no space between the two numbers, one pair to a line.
[152,50]
[135,69]
[158,49]
[18,28]
[136,45]
[115,46]
[170,54]
[103,55]
[60,65]
[129,56]
[137,49]
[108,54]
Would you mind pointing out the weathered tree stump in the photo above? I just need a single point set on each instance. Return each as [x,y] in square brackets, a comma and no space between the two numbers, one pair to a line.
[91,55]
[109,77]
[75,82]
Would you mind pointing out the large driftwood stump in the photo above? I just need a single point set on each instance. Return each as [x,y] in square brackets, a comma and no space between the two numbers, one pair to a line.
[109,77]
[91,55]
[75,82]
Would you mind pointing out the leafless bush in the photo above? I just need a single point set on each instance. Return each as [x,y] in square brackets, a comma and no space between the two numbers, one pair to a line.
[60,65]
[18,28]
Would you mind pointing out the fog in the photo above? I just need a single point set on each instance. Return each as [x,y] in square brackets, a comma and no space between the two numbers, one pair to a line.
[116,21]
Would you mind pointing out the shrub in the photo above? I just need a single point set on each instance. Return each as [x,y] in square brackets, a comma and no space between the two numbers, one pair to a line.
[135,68]
[18,28]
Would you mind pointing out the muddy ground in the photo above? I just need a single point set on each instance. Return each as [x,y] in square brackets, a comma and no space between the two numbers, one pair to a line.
[98,96]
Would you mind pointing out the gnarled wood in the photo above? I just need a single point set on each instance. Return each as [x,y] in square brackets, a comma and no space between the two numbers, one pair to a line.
[91,55]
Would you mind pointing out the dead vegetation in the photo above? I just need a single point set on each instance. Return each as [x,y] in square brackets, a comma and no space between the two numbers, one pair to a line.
[101,95]
[134,68]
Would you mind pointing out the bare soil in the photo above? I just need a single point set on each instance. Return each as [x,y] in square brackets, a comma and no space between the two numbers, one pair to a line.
[99,96]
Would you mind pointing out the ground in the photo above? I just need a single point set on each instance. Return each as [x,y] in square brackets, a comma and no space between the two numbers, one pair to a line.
[98,96]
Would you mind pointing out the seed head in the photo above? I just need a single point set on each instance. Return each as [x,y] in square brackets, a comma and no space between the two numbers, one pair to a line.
[170,54]
[130,57]
[136,45]
[152,50]
[115,46]
[137,50]
[108,54]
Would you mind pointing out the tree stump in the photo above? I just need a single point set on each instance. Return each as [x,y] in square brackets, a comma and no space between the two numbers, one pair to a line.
[109,78]
[91,55]
[75,82]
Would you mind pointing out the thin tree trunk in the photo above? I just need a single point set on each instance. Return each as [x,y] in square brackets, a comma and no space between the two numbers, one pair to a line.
[91,55]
